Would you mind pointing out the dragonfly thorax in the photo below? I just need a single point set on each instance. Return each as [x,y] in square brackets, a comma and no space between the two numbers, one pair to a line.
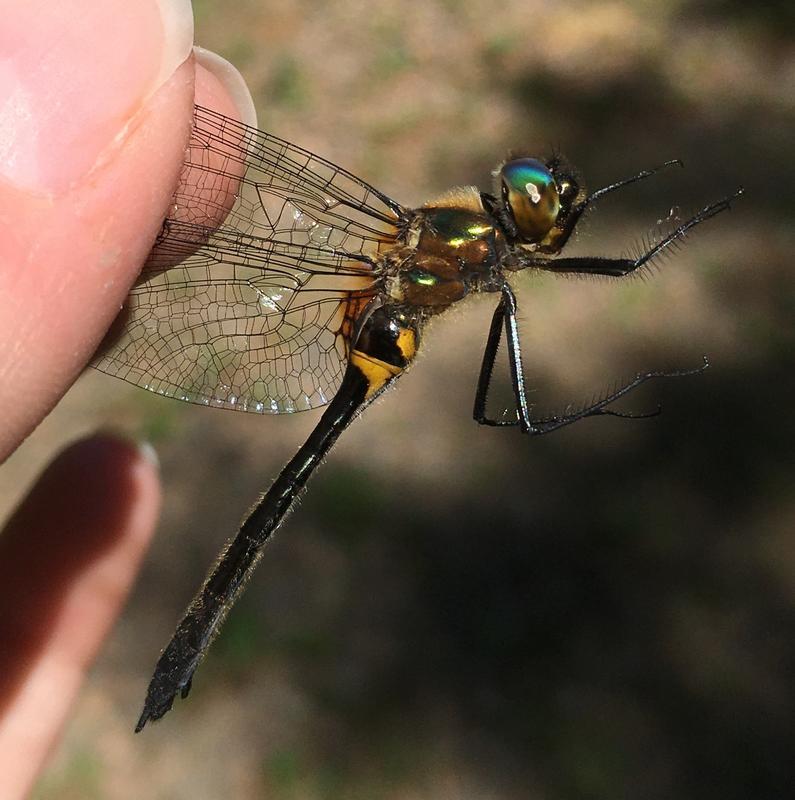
[452,247]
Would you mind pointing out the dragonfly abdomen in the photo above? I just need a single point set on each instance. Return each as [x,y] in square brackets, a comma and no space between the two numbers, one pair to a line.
[386,346]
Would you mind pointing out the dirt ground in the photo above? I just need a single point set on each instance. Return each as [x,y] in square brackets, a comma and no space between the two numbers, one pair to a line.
[460,612]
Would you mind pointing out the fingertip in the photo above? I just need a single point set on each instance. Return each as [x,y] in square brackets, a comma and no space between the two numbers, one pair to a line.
[221,87]
[98,499]
[75,75]
[68,558]
[220,93]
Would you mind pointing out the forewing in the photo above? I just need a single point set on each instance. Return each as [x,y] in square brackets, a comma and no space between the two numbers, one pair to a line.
[256,314]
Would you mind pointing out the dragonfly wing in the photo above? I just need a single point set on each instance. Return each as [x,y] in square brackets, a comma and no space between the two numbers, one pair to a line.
[256,314]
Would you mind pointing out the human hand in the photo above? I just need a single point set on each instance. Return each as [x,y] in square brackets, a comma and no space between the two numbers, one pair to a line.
[97,105]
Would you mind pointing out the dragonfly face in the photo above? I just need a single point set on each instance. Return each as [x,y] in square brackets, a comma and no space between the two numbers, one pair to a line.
[537,201]
[281,282]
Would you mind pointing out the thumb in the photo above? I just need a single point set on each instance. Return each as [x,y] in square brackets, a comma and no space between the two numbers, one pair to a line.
[96,101]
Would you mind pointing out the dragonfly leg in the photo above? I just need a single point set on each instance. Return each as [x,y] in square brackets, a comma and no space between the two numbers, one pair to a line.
[505,317]
[600,408]
[618,267]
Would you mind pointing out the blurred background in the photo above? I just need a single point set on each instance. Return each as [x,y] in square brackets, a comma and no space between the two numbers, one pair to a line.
[462,612]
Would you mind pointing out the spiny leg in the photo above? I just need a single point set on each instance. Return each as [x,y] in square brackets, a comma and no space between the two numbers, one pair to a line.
[642,175]
[487,366]
[549,424]
[618,267]
[579,209]
[505,316]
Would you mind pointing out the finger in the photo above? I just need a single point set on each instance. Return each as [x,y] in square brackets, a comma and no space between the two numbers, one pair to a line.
[98,98]
[219,86]
[68,558]
[209,183]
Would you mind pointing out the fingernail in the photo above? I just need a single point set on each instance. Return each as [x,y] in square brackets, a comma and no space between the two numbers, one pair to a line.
[149,454]
[77,72]
[231,81]
[177,19]
[110,438]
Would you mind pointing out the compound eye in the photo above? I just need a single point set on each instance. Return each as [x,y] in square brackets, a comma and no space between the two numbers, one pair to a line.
[532,196]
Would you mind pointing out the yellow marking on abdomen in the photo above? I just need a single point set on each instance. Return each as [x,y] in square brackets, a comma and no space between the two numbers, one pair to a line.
[378,373]
[407,343]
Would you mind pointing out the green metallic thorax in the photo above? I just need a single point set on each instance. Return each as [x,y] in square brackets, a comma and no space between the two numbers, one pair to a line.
[450,248]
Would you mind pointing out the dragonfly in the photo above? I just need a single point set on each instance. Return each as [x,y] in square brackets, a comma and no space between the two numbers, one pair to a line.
[280,282]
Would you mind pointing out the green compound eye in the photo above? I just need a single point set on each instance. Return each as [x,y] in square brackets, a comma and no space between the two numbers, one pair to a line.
[532,197]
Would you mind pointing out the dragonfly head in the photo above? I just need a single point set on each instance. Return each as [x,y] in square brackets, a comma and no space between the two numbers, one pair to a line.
[539,201]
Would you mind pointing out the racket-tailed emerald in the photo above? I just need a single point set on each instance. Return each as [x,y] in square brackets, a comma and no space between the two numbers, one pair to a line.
[280,282]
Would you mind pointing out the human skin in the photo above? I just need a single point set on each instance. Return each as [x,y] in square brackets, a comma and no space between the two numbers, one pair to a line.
[96,100]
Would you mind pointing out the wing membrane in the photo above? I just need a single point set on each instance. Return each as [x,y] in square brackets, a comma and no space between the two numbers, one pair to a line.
[248,299]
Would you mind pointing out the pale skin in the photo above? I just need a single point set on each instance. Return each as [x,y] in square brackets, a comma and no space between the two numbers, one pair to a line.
[78,214]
